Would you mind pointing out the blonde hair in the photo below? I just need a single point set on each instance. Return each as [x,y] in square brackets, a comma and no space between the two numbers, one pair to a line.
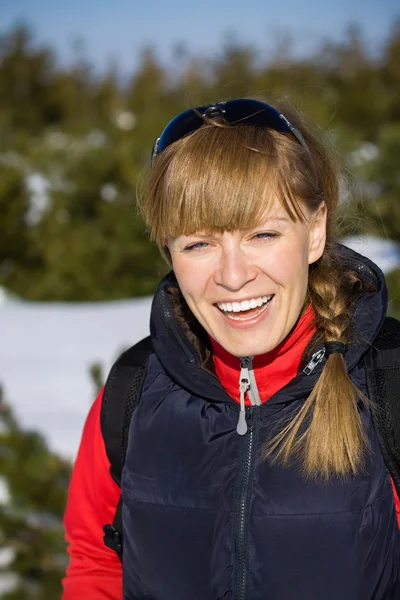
[222,178]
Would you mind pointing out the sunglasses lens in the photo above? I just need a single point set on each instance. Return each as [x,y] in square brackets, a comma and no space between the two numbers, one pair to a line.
[181,125]
[253,112]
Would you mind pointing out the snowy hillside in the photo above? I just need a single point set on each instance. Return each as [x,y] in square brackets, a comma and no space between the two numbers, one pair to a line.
[46,350]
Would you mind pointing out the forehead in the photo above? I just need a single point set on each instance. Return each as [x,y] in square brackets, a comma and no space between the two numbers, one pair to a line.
[277,219]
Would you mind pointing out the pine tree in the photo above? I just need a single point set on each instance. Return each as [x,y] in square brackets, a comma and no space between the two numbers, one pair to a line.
[35,481]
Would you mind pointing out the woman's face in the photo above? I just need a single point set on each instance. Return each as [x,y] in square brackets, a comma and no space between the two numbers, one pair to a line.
[247,288]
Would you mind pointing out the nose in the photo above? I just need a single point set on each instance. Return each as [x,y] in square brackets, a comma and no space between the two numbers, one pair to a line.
[234,270]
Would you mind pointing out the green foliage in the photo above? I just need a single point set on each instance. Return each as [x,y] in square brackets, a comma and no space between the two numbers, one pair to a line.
[74,147]
[382,213]
[393,283]
[31,529]
[385,213]
[97,377]
[14,205]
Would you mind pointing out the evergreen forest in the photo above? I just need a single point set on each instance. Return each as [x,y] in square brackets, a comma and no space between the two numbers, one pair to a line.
[75,145]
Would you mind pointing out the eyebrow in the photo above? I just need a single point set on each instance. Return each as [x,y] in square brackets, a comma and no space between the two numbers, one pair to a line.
[270,220]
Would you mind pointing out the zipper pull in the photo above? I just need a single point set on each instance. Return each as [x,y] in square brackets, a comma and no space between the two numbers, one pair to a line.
[241,427]
[316,358]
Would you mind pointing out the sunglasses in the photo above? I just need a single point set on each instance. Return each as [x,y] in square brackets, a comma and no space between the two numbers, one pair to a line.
[242,111]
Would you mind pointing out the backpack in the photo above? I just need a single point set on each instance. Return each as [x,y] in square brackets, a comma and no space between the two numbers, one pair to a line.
[124,384]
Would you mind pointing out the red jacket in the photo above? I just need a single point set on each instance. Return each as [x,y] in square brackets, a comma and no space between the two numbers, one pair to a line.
[94,572]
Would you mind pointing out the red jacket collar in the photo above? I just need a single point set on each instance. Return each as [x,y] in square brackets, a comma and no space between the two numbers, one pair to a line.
[272,370]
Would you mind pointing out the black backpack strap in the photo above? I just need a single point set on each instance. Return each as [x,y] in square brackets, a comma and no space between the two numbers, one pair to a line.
[383,382]
[120,398]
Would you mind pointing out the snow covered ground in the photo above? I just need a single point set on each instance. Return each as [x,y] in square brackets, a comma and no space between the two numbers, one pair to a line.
[46,350]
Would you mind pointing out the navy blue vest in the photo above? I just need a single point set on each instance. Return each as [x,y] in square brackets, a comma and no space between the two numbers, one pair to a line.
[205,517]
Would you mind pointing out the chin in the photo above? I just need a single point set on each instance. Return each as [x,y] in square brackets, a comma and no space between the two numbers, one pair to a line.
[242,349]
[254,351]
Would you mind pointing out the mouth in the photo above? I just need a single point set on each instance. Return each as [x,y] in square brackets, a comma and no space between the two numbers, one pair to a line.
[245,310]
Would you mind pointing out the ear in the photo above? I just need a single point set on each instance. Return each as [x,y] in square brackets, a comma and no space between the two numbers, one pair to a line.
[166,253]
[317,235]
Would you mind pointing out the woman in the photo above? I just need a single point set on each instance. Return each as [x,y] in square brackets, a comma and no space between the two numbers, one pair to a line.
[252,470]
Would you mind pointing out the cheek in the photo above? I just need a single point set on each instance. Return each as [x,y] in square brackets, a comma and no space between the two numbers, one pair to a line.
[288,266]
[192,279]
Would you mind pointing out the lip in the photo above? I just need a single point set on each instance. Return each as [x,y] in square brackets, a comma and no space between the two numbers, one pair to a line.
[253,322]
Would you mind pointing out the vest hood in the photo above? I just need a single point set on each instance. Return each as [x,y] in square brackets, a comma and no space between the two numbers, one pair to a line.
[180,359]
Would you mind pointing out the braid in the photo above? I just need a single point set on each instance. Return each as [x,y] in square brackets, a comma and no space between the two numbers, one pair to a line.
[327,294]
[327,432]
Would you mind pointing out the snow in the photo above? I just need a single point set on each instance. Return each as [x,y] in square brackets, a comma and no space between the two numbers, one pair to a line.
[46,350]
[383,252]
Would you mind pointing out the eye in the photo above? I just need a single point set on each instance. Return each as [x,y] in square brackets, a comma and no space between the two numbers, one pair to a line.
[195,246]
[265,236]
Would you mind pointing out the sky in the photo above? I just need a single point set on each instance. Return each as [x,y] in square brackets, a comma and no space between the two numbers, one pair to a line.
[120,29]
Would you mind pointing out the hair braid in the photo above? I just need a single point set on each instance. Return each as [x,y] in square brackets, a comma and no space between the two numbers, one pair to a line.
[327,432]
[328,297]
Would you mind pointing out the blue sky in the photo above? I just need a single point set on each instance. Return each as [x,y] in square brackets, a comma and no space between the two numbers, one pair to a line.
[120,28]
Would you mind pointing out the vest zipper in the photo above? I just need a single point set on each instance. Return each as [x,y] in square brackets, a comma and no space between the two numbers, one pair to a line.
[245,426]
[316,358]
[241,515]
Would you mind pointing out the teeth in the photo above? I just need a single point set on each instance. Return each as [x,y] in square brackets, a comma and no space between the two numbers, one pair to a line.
[245,305]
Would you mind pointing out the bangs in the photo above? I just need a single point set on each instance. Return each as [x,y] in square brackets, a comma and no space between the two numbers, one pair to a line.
[221,178]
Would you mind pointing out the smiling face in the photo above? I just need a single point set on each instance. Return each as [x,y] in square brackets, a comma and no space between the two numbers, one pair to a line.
[247,288]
